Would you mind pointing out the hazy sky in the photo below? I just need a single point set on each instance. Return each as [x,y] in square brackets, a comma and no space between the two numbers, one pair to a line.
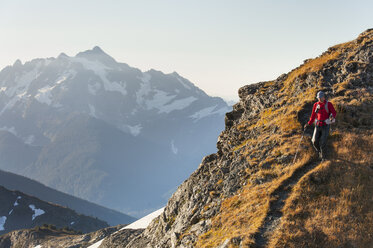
[218,45]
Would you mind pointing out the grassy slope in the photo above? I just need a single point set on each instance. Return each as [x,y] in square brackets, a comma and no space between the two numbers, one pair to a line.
[317,214]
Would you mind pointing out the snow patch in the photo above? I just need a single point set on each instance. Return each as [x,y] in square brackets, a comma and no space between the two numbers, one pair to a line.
[159,100]
[135,130]
[177,104]
[38,246]
[72,223]
[16,202]
[23,83]
[97,244]
[45,95]
[12,102]
[11,130]
[145,221]
[2,223]
[101,71]
[2,89]
[21,95]
[184,83]
[208,112]
[93,88]
[10,212]
[37,211]
[116,86]
[145,78]
[173,147]
[144,90]
[92,111]
[139,224]
[30,140]
[61,79]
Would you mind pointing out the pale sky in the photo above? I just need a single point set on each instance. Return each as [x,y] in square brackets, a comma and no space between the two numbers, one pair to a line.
[218,45]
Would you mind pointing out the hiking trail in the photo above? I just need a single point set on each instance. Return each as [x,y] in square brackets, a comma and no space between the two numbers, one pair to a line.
[273,217]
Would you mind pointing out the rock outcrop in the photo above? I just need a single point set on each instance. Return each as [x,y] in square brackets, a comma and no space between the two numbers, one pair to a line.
[229,199]
[49,236]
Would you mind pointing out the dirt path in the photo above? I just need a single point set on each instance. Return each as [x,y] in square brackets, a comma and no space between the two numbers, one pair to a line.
[273,218]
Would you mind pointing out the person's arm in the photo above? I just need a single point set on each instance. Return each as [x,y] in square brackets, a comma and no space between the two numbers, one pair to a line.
[331,109]
[313,115]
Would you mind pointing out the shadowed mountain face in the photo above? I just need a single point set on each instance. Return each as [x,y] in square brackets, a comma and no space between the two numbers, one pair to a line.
[103,131]
[33,188]
[19,211]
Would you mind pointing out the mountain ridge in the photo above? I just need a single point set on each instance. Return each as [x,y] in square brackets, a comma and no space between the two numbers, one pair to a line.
[20,211]
[116,117]
[28,186]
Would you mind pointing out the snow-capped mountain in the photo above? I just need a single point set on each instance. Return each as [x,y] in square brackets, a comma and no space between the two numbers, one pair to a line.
[104,131]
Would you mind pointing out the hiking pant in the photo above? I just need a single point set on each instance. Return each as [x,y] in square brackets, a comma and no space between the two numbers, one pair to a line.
[319,138]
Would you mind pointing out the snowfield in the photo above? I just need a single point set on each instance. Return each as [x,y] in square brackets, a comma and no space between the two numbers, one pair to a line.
[208,112]
[145,221]
[139,224]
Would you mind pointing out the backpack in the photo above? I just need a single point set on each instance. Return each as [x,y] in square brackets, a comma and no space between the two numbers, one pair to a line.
[326,107]
[327,121]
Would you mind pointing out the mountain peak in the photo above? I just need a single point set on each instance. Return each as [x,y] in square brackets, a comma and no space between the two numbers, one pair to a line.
[17,63]
[62,55]
[366,33]
[96,53]
[97,49]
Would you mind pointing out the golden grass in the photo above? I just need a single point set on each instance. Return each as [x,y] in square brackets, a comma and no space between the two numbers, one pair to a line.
[333,205]
[242,214]
[321,209]
[312,65]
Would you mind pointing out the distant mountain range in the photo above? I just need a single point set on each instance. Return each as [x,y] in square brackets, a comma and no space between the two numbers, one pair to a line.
[33,188]
[19,211]
[104,131]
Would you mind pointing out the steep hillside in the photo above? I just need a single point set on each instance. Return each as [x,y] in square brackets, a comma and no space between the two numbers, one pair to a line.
[254,193]
[33,188]
[18,211]
[251,193]
[75,118]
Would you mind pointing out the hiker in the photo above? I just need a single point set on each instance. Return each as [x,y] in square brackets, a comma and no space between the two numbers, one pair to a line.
[324,114]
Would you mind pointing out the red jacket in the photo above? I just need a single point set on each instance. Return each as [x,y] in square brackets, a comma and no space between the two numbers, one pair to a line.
[321,115]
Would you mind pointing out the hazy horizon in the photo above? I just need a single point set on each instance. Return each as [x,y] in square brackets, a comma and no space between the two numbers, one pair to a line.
[218,45]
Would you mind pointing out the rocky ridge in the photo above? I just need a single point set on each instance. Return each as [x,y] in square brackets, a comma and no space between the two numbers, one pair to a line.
[256,149]
[50,236]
